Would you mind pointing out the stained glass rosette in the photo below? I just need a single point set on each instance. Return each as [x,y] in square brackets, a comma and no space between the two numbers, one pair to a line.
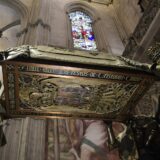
[82,32]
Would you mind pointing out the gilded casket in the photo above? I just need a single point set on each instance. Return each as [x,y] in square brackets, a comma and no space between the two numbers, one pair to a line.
[50,82]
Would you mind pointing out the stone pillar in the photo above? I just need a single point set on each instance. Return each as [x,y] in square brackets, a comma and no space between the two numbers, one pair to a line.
[38,27]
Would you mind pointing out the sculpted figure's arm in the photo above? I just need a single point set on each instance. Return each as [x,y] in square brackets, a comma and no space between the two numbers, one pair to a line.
[12,53]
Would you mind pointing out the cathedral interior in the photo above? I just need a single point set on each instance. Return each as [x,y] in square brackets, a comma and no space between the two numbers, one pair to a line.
[79,80]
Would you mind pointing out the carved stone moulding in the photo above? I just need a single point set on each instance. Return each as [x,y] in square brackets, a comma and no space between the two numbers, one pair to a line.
[51,90]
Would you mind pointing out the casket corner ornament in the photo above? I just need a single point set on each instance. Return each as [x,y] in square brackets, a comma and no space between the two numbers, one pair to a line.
[49,82]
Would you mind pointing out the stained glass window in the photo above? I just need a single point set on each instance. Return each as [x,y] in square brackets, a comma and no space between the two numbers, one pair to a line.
[82,32]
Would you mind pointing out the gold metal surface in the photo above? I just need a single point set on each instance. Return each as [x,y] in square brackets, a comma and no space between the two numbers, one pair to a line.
[111,94]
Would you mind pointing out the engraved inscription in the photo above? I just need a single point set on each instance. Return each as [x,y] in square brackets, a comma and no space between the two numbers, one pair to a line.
[67,72]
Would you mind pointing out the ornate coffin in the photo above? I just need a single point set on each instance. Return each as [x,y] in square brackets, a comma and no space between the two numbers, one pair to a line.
[49,82]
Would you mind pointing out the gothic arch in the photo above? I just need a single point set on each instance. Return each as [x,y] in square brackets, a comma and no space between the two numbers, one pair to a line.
[18,6]
[71,7]
[90,11]
[22,11]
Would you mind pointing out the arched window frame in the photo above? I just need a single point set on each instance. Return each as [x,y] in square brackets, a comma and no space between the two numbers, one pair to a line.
[96,26]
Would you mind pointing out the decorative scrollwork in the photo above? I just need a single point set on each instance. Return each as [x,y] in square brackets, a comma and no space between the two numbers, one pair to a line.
[154,52]
[10,67]
[11,88]
[49,93]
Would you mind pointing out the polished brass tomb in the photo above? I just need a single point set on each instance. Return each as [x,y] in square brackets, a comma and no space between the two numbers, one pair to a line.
[52,82]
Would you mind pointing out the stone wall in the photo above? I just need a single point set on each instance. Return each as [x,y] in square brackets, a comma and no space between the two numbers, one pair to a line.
[39,15]
[46,23]
[8,37]
[129,14]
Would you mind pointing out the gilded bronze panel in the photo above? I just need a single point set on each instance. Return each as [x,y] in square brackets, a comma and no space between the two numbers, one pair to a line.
[50,90]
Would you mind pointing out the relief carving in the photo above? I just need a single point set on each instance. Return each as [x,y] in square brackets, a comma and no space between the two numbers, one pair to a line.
[55,94]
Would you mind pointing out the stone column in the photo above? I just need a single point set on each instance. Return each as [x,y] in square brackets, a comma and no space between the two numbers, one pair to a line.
[38,27]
